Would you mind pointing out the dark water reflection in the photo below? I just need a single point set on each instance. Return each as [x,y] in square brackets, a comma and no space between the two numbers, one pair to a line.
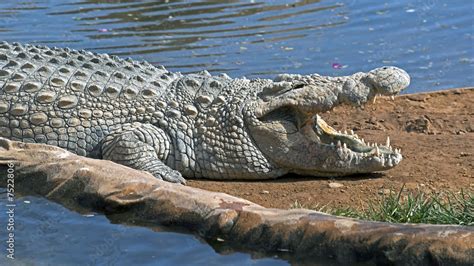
[432,40]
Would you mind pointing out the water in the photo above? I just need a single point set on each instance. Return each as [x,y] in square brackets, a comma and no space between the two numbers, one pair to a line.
[432,40]
[49,234]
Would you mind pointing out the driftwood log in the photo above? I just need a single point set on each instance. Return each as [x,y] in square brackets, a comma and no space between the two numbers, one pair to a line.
[98,185]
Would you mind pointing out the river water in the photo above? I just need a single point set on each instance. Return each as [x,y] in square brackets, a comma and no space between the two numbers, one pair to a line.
[433,40]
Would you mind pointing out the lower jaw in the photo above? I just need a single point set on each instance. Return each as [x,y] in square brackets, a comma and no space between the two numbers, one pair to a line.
[350,149]
[348,168]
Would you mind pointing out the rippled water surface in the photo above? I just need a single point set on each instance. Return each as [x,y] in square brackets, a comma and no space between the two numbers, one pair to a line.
[433,40]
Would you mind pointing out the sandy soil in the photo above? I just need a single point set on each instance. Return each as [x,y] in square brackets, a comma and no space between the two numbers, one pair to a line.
[434,130]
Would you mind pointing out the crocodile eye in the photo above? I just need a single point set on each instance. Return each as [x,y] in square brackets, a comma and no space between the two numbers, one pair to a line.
[299,86]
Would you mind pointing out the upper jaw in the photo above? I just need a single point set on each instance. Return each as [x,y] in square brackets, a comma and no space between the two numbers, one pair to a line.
[389,80]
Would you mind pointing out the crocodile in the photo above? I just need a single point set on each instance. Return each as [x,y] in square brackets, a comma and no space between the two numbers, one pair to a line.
[198,125]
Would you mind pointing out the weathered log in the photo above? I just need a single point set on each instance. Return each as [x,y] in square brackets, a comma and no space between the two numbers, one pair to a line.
[91,184]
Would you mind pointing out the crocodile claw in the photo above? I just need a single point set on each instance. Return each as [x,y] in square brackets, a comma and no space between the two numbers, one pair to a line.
[173,176]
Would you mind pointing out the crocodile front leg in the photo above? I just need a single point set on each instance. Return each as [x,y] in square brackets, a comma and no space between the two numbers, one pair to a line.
[143,147]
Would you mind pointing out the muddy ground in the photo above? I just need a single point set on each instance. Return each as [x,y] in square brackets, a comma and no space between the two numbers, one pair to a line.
[434,130]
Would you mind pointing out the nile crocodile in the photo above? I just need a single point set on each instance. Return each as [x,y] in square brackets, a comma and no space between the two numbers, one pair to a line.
[196,125]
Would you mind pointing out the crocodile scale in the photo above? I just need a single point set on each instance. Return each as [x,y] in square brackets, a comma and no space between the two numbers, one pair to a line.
[197,125]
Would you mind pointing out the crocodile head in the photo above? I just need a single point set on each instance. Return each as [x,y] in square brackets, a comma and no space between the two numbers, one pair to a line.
[285,125]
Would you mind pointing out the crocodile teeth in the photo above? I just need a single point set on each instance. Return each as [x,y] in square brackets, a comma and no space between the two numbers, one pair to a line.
[352,132]
[377,151]
[392,97]
[324,126]
[338,143]
[389,162]
[388,142]
[345,132]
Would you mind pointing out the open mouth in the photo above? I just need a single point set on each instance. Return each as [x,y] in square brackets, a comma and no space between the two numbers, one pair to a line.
[348,144]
